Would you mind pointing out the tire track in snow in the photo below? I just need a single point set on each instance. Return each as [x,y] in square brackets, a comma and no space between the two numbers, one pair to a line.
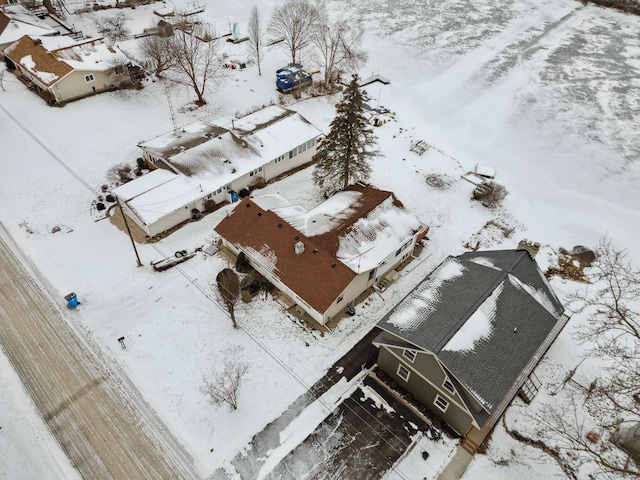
[104,434]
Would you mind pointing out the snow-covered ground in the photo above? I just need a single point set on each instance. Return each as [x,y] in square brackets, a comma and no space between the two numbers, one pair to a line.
[546,92]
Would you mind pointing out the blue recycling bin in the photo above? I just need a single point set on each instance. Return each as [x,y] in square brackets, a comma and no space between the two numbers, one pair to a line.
[72,300]
[233,195]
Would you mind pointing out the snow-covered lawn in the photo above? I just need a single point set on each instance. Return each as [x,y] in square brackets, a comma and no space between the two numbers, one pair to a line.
[546,92]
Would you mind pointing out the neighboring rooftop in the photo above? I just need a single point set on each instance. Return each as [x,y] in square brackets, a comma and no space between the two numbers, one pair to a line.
[232,147]
[349,233]
[16,21]
[52,58]
[484,314]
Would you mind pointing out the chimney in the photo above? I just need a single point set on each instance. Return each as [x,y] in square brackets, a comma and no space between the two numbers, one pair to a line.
[531,247]
[299,248]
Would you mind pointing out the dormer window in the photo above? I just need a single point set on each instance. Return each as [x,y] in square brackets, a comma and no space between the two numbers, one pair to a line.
[448,386]
[409,355]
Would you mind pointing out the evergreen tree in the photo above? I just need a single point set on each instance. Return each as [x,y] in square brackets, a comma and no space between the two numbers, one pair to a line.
[343,156]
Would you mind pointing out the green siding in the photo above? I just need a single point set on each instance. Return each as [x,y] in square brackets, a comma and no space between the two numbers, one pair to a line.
[425,391]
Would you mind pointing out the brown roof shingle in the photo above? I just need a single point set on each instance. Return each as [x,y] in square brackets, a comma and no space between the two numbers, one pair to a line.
[43,60]
[315,275]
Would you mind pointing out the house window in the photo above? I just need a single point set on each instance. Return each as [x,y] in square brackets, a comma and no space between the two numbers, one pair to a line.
[292,153]
[371,274]
[441,403]
[403,372]
[409,355]
[339,299]
[219,191]
[398,251]
[279,159]
[89,78]
[448,386]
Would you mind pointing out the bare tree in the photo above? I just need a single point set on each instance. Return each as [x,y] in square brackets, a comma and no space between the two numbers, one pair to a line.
[566,428]
[612,333]
[224,385]
[229,291]
[256,36]
[113,27]
[338,44]
[294,21]
[155,53]
[195,59]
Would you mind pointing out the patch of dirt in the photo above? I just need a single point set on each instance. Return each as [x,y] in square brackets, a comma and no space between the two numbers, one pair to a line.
[569,268]
[439,181]
[494,232]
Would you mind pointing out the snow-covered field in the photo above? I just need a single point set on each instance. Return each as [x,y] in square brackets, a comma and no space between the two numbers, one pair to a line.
[547,92]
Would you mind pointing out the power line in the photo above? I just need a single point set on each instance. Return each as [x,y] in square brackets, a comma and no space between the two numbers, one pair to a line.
[48,150]
[207,295]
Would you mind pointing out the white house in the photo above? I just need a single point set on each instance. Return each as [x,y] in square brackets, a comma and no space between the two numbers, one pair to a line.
[323,259]
[214,161]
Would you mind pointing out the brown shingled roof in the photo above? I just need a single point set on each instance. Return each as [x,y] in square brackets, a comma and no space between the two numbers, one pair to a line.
[316,276]
[44,61]
[4,20]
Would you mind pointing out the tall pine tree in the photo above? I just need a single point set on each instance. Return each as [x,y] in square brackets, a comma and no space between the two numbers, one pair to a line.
[343,156]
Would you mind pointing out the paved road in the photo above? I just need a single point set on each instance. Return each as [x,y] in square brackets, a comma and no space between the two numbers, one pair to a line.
[103,432]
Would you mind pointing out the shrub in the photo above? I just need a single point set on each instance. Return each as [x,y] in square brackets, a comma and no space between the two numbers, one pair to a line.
[246,296]
[490,194]
[119,174]
[242,263]
[209,205]
[258,182]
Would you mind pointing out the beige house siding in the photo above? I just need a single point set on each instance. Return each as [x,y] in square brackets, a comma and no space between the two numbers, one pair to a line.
[397,257]
[358,285]
[353,290]
[74,85]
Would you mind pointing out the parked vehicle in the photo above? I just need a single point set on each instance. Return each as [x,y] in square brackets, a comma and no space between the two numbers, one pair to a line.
[292,77]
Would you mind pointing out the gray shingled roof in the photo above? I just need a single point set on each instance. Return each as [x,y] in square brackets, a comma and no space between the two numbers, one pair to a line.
[482,297]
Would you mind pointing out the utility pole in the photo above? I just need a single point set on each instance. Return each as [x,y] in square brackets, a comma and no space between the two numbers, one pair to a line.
[126,224]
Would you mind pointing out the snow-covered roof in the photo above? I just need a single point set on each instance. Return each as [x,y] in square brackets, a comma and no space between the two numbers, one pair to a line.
[16,21]
[52,58]
[157,194]
[227,149]
[273,130]
[360,225]
[484,314]
[355,230]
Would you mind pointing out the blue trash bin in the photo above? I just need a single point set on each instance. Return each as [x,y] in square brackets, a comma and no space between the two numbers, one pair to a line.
[72,300]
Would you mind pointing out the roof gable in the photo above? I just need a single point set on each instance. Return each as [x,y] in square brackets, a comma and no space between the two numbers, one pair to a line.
[31,55]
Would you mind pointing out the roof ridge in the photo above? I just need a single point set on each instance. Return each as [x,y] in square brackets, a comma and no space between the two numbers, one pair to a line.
[475,305]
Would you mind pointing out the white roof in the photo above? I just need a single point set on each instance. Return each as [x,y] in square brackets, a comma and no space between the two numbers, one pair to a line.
[158,193]
[94,55]
[21,23]
[228,149]
[273,131]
